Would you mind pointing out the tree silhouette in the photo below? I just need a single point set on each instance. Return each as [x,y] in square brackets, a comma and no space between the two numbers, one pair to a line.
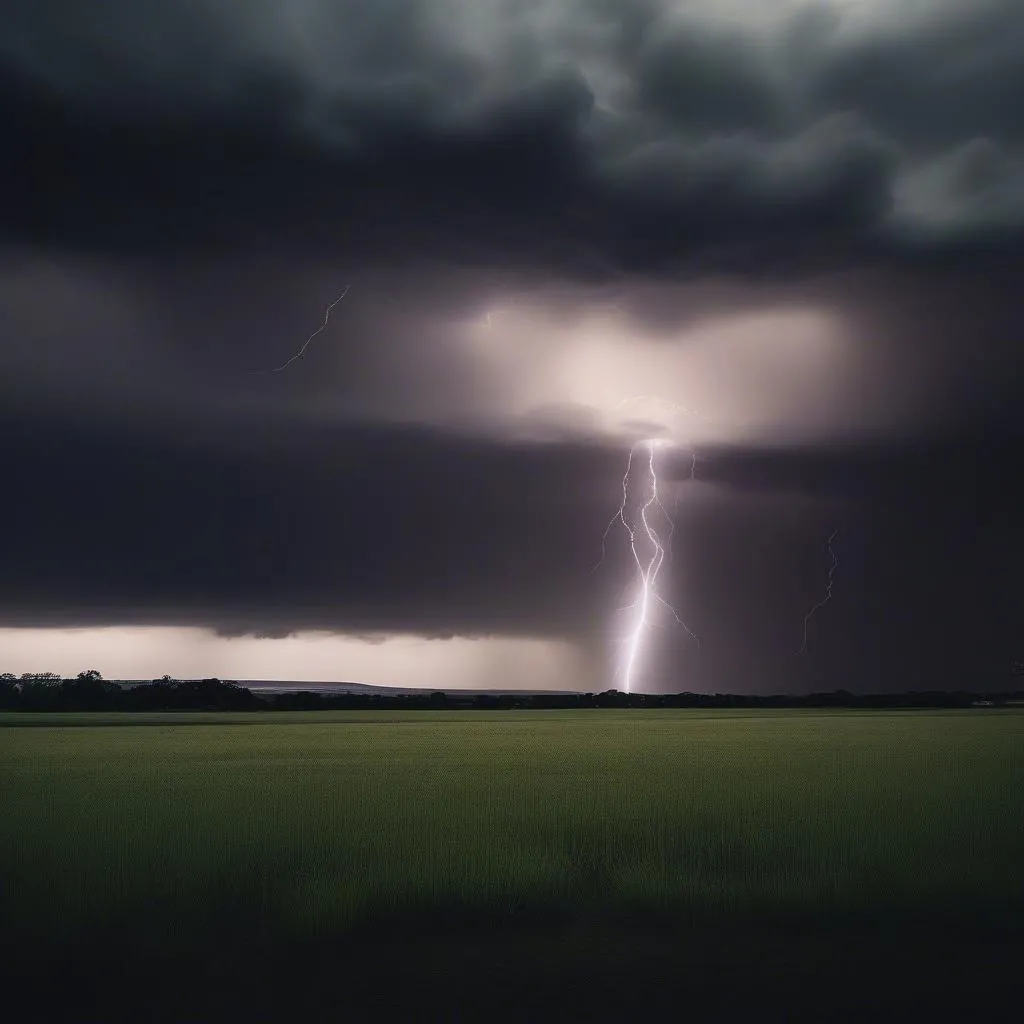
[9,692]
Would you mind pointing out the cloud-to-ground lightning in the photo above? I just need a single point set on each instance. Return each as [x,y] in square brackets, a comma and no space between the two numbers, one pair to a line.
[648,566]
[305,345]
[827,596]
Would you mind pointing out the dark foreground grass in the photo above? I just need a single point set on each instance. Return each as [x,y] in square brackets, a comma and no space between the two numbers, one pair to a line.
[539,864]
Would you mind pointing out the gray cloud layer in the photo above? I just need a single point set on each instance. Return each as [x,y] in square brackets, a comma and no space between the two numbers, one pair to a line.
[569,134]
[805,217]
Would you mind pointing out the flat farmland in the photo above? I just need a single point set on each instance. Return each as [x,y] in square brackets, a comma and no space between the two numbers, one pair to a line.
[180,835]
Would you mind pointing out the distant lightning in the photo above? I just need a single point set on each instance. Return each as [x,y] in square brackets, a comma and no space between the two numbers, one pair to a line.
[647,568]
[298,355]
[828,588]
[644,531]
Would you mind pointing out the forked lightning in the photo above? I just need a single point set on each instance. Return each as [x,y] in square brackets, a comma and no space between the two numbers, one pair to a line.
[305,345]
[648,567]
[828,587]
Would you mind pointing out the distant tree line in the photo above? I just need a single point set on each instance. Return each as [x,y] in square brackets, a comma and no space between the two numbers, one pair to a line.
[89,691]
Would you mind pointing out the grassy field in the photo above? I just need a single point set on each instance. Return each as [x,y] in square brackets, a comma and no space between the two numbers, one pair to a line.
[168,834]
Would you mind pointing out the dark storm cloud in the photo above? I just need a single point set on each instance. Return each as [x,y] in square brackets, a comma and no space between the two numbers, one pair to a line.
[708,79]
[272,527]
[935,82]
[286,526]
[187,186]
[644,135]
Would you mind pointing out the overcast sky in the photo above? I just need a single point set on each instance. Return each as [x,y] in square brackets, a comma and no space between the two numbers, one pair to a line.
[785,237]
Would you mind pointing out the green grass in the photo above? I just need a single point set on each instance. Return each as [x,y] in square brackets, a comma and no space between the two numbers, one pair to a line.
[168,830]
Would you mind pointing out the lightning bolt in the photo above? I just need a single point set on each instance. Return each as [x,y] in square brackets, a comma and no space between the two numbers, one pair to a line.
[648,567]
[305,345]
[620,515]
[828,587]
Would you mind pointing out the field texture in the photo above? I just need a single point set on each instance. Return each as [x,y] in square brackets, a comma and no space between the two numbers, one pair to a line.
[165,831]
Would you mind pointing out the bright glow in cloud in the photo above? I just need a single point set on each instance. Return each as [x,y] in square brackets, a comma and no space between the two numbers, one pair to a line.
[787,373]
[406,661]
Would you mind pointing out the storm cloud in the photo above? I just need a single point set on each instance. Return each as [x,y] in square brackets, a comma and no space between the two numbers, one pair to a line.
[658,135]
[787,236]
